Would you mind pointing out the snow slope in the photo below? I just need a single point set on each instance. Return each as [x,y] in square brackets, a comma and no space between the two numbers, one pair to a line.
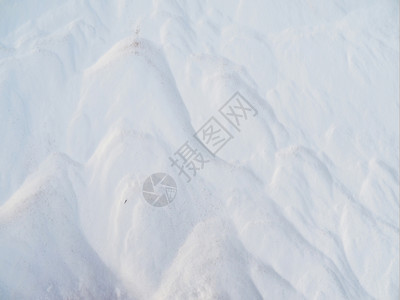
[95,96]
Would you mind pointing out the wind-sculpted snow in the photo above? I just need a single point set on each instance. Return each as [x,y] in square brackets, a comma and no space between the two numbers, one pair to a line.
[96,96]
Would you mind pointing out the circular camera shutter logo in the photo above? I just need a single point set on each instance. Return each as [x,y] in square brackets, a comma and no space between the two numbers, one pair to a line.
[159,189]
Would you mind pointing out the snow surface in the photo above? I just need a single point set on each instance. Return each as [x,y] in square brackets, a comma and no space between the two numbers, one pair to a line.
[95,96]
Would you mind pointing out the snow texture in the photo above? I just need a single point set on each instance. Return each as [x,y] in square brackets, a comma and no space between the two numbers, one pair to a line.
[303,202]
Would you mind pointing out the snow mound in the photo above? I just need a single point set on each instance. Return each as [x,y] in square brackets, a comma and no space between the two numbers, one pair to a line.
[302,203]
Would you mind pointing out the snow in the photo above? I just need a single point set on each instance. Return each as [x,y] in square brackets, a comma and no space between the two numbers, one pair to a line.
[95,96]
